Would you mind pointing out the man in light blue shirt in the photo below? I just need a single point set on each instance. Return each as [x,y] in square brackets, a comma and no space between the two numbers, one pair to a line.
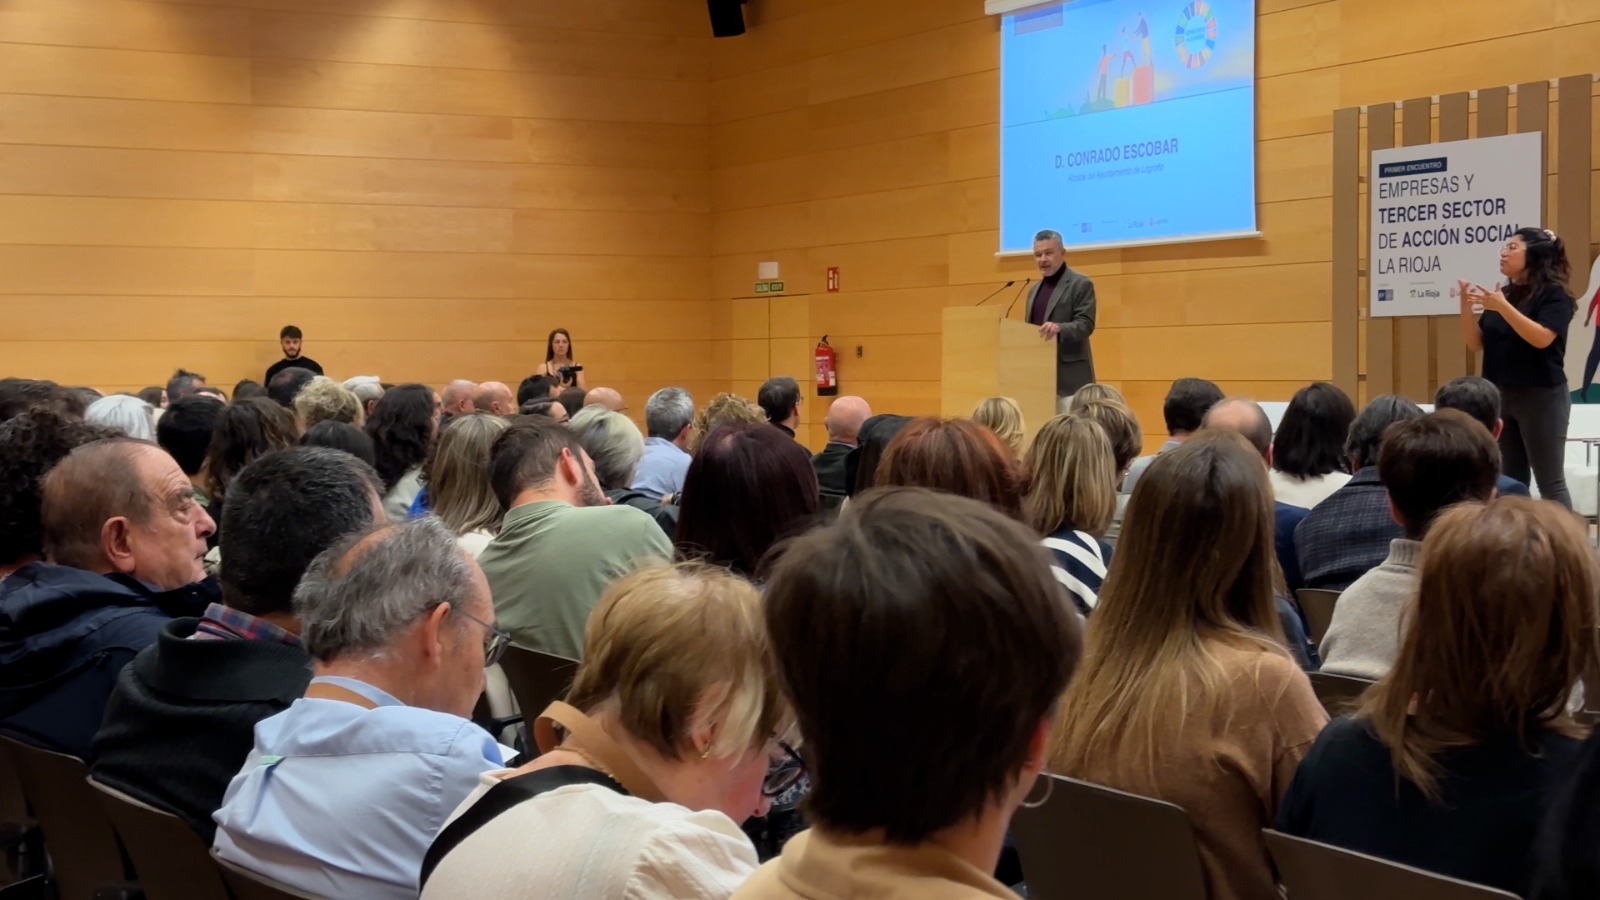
[668,420]
[344,791]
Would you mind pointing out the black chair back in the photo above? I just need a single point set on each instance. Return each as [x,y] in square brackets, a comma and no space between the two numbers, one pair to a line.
[1339,693]
[1313,871]
[172,861]
[1092,841]
[537,679]
[78,836]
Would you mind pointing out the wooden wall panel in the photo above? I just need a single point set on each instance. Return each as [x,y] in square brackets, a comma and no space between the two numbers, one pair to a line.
[425,187]
[863,135]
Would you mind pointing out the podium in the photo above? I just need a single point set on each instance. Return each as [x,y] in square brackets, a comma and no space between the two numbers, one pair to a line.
[985,354]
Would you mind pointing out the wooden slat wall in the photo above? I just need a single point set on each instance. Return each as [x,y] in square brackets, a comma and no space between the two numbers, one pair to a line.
[1346,225]
[1381,371]
[862,134]
[425,187]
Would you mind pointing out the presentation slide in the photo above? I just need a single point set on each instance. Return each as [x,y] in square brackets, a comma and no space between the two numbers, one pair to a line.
[1126,122]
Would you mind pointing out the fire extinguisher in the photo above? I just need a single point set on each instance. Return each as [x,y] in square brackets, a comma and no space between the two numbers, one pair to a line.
[827,369]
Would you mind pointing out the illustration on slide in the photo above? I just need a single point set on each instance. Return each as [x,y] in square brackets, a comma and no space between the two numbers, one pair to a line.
[1134,81]
[1584,343]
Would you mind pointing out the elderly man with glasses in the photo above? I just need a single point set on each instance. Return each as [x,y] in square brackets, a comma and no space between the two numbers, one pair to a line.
[345,789]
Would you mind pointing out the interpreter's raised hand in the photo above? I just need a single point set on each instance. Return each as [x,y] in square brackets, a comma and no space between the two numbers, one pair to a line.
[1491,299]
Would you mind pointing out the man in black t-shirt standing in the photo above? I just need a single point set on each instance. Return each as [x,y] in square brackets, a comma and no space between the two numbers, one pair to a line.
[290,338]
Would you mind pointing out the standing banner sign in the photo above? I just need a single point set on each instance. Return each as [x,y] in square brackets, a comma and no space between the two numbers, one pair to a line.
[1441,213]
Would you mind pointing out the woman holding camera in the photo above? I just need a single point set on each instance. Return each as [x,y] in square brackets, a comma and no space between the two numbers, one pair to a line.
[558,361]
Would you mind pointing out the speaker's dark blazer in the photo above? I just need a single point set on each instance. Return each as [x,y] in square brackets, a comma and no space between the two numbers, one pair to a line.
[1071,306]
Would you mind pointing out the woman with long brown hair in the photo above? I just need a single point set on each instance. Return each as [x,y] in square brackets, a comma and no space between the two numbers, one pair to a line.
[560,362]
[1187,692]
[1070,497]
[1453,757]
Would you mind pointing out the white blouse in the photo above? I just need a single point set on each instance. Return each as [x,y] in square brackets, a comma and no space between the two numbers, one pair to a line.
[1306,492]
[587,840]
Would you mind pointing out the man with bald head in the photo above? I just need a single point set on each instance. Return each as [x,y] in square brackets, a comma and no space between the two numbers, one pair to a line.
[1245,416]
[606,397]
[844,420]
[124,540]
[495,397]
[457,397]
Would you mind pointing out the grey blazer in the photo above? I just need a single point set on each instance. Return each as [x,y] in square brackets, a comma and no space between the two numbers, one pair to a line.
[1072,307]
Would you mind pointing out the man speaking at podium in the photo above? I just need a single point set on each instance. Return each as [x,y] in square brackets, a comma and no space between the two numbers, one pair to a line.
[1061,303]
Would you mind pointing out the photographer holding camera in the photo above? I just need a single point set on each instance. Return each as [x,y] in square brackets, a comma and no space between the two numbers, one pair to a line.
[558,361]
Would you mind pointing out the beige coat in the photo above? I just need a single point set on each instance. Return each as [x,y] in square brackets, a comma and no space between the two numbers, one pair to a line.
[817,866]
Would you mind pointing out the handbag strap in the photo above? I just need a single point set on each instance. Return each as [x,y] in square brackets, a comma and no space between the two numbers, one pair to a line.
[597,745]
[498,800]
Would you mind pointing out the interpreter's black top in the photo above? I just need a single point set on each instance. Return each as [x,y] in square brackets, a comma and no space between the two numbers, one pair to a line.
[1511,362]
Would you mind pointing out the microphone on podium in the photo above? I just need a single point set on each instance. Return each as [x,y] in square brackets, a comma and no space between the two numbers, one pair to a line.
[1020,291]
[996,291]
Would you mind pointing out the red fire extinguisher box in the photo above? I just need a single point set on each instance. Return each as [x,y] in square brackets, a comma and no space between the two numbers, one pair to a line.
[827,365]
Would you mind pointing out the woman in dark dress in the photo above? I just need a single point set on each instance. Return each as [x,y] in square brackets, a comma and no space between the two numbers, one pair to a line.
[1522,333]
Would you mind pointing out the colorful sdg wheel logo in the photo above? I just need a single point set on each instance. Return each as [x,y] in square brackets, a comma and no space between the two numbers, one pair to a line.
[1196,36]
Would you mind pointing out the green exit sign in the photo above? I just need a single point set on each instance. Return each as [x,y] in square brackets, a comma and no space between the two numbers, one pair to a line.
[769,287]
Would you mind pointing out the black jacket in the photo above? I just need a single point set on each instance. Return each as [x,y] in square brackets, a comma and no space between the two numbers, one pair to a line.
[665,514]
[832,475]
[65,633]
[183,717]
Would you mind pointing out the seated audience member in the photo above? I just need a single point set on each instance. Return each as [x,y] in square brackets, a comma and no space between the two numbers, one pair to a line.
[845,417]
[1308,461]
[1350,532]
[667,748]
[402,426]
[748,488]
[30,446]
[1186,621]
[861,466]
[1480,399]
[123,541]
[1127,442]
[340,436]
[494,398]
[1568,868]
[245,431]
[1425,465]
[343,791]
[537,387]
[181,719]
[872,623]
[368,389]
[287,385]
[457,478]
[18,395]
[185,432]
[1002,416]
[127,414]
[957,456]
[779,398]
[548,408]
[246,388]
[724,409]
[183,383]
[1095,392]
[1184,412]
[1070,496]
[1247,418]
[573,400]
[457,397]
[616,446]
[156,395]
[560,543]
[669,419]
[1456,754]
[326,400]
[606,397]
[214,393]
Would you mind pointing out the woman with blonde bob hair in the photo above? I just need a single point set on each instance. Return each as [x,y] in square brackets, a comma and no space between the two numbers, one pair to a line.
[1187,692]
[659,751]
[1070,496]
[457,476]
[1002,416]
[1454,756]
